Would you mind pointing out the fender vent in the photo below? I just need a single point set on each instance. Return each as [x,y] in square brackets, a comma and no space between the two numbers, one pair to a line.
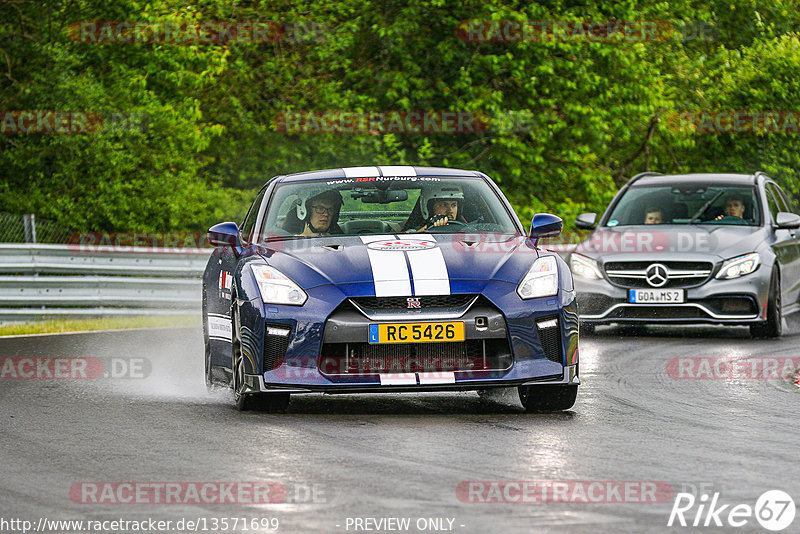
[550,338]
[276,340]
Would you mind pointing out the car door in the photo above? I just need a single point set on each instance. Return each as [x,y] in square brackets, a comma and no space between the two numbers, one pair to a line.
[790,244]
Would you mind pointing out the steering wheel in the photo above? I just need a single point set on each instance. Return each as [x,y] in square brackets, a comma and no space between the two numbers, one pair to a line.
[440,228]
[730,219]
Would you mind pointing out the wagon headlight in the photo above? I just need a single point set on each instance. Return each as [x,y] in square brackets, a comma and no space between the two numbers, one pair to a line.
[584,267]
[739,266]
[541,280]
[276,287]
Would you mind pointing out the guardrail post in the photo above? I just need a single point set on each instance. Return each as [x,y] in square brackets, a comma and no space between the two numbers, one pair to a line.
[29,221]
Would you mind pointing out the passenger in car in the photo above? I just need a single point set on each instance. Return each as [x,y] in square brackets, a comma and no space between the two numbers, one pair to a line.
[653,215]
[321,214]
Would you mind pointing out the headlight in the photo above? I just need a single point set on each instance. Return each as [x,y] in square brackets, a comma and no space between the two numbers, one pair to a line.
[739,266]
[584,267]
[541,280]
[277,288]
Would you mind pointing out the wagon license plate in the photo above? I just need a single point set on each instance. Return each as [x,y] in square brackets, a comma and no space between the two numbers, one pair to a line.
[656,296]
[416,332]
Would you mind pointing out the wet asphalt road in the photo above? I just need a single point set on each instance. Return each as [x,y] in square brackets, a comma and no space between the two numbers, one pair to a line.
[399,455]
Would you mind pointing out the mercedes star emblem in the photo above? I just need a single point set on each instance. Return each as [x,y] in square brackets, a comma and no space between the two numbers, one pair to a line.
[656,275]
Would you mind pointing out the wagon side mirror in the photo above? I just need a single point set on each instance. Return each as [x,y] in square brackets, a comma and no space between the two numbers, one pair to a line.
[586,221]
[787,221]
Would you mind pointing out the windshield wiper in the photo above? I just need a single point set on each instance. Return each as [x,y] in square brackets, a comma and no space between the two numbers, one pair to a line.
[705,207]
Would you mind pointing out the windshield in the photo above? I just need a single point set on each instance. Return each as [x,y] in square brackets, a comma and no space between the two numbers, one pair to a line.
[687,203]
[385,205]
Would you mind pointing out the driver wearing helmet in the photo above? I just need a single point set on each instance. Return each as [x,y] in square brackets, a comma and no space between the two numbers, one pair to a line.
[320,213]
[438,206]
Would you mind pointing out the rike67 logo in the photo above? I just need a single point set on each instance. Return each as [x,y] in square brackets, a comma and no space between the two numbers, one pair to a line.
[774,510]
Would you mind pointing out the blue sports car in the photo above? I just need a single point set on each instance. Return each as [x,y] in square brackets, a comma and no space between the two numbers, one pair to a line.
[388,279]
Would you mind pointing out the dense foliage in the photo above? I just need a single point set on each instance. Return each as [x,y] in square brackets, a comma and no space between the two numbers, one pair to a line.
[570,119]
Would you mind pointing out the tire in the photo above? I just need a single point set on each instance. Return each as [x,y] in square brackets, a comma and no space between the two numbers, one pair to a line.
[237,370]
[210,385]
[548,398]
[260,402]
[207,345]
[773,326]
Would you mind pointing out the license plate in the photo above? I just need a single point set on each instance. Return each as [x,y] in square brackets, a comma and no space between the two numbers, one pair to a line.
[656,296]
[416,332]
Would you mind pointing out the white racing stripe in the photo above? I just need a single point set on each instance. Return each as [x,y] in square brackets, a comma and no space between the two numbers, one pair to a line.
[389,269]
[399,379]
[397,170]
[429,269]
[360,172]
[437,377]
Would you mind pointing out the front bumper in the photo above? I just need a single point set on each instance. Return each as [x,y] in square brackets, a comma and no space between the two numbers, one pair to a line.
[740,301]
[257,384]
[510,322]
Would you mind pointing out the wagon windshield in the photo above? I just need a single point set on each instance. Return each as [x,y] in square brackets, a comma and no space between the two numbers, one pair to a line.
[385,205]
[687,203]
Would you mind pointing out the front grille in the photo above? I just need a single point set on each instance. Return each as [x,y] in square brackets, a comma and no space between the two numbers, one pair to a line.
[550,338]
[365,358]
[660,312]
[631,274]
[276,340]
[401,303]
[677,265]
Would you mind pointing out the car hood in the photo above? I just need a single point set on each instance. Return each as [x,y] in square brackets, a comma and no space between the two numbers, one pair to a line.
[695,242]
[425,264]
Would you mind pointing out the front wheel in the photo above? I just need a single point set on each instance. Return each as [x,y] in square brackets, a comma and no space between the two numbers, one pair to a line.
[237,367]
[548,398]
[773,327]
[259,402]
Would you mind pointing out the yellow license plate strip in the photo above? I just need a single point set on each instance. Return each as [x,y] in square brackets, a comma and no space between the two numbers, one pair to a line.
[416,332]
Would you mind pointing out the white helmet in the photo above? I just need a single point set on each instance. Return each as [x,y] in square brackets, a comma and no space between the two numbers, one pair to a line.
[438,192]
[314,193]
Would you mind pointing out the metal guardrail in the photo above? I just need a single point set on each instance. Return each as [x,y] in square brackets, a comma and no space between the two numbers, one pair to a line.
[38,281]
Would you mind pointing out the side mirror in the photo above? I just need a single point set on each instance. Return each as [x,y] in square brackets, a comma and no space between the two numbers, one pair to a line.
[787,221]
[545,225]
[224,234]
[586,221]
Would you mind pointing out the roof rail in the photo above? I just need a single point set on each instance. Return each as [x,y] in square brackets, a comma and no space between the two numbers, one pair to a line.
[643,174]
[760,173]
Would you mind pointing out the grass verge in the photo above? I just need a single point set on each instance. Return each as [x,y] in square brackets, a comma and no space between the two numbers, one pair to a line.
[104,323]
